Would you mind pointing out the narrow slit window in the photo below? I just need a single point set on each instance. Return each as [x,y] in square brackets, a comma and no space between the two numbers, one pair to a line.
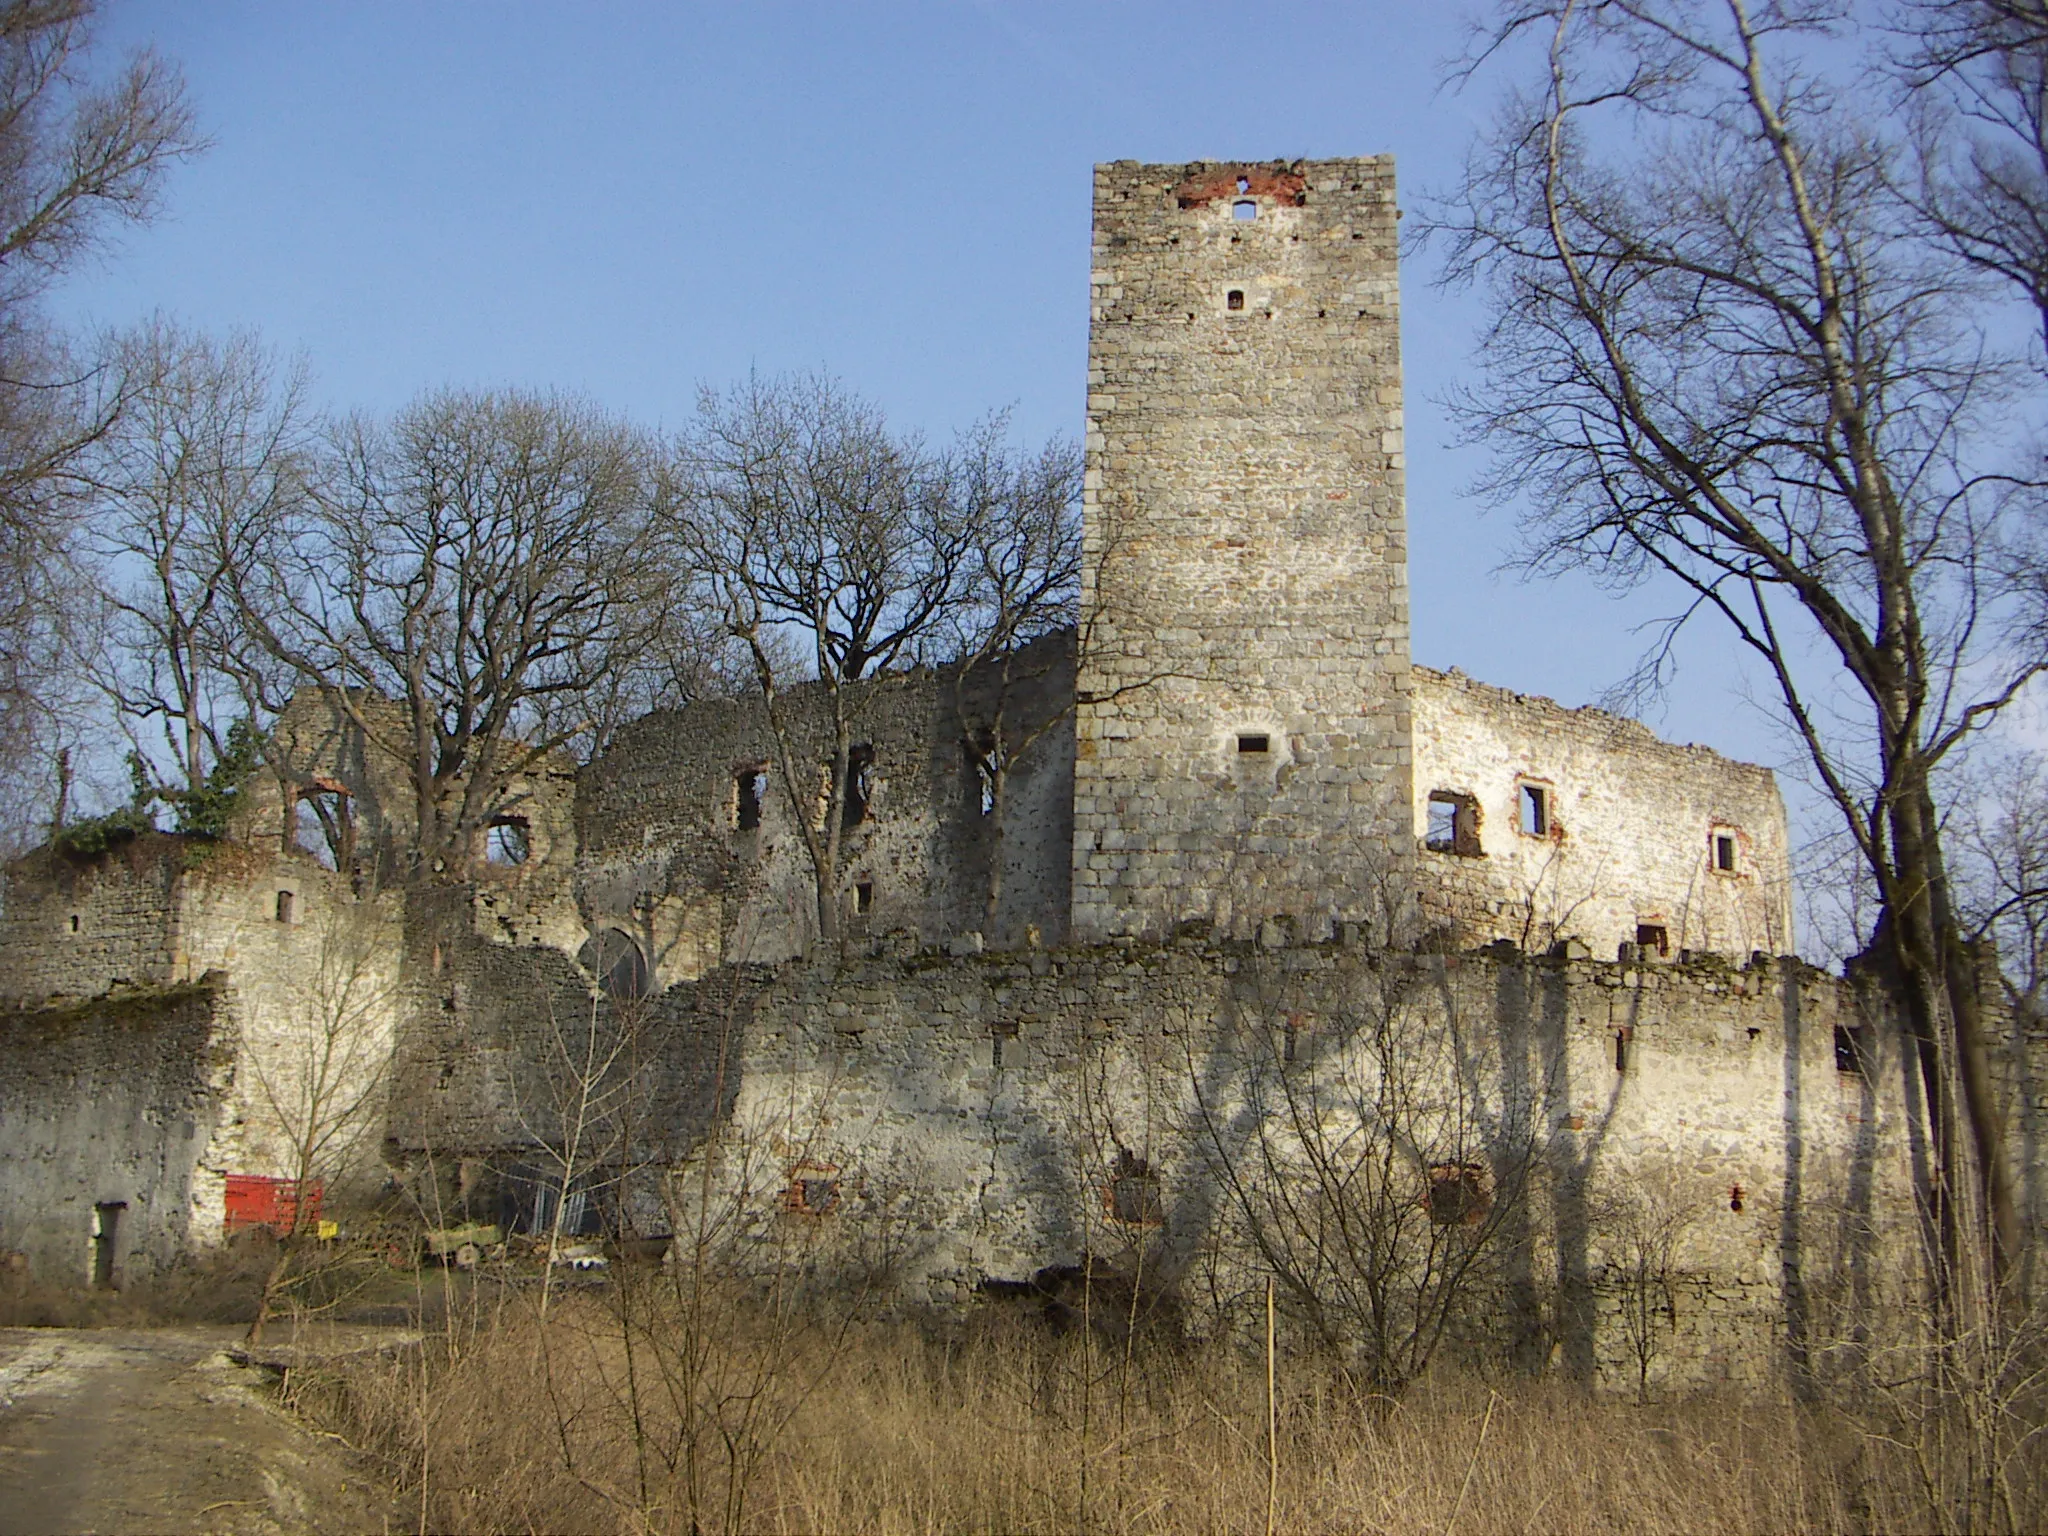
[1851,1050]
[1234,299]
[999,1033]
[860,786]
[284,906]
[983,764]
[1724,852]
[1622,1038]
[1533,804]
[864,896]
[74,922]
[750,785]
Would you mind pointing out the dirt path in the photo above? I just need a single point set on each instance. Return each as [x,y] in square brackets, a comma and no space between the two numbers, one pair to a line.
[159,1431]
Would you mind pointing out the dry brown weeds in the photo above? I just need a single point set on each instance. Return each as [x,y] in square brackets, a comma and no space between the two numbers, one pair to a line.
[585,1425]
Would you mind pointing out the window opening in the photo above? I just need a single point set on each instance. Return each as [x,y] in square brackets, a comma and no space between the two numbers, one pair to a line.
[1290,1041]
[750,787]
[74,922]
[863,896]
[615,960]
[323,826]
[1244,183]
[1851,1050]
[1254,743]
[1134,1192]
[509,840]
[1653,937]
[1622,1037]
[1244,210]
[1724,852]
[1533,804]
[860,785]
[998,1033]
[1234,299]
[1458,1194]
[1453,825]
[284,906]
[812,1191]
[982,759]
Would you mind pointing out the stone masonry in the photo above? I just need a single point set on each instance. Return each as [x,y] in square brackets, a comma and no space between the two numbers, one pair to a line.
[1242,718]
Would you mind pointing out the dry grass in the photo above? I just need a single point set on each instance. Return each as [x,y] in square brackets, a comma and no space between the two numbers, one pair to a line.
[763,1424]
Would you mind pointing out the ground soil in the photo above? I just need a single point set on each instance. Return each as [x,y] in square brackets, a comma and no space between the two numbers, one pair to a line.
[165,1430]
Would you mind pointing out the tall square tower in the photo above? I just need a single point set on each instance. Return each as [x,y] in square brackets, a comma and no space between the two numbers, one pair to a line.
[1242,724]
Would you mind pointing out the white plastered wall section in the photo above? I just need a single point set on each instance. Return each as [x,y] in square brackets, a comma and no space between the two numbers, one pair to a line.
[1631,841]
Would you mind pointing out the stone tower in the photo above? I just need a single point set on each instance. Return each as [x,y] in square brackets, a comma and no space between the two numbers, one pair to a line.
[1242,726]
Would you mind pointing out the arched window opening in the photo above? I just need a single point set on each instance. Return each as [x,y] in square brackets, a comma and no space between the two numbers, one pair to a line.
[1234,299]
[323,825]
[1244,210]
[616,961]
[509,840]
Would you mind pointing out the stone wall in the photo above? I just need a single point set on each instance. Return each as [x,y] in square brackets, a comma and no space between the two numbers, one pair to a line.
[1242,731]
[944,1124]
[116,1103]
[1636,829]
[305,971]
[664,857]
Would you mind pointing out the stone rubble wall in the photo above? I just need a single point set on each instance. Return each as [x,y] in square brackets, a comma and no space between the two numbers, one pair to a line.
[662,858]
[1630,844]
[1245,554]
[967,1115]
[116,1100]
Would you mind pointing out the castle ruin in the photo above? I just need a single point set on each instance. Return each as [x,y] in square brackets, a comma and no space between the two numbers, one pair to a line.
[1247,842]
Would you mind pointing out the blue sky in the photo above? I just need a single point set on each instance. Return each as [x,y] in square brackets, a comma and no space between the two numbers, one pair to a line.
[631,200]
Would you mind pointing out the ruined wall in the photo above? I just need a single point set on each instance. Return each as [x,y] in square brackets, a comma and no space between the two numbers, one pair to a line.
[1632,829]
[72,927]
[1245,578]
[113,1102]
[306,970]
[972,1114]
[664,859]
[342,796]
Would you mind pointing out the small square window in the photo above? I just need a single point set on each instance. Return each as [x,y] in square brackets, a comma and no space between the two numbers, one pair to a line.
[1532,805]
[1234,299]
[1653,939]
[1257,743]
[1244,210]
[1458,1194]
[812,1193]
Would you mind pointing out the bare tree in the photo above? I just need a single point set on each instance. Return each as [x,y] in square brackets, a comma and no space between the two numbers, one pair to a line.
[1722,355]
[1643,1225]
[487,563]
[320,1069]
[1372,1163]
[77,158]
[833,550]
[2001,834]
[210,453]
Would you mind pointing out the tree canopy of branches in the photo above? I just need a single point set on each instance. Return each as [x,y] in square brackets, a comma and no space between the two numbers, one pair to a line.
[212,449]
[833,549]
[1728,350]
[77,158]
[487,562]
